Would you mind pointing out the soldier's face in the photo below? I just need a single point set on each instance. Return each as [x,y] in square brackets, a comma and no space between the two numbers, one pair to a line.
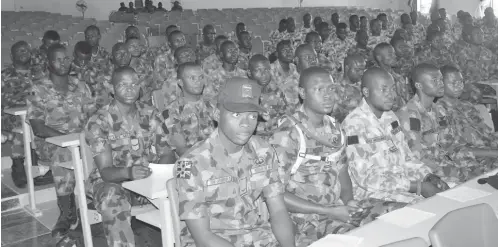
[319,94]
[307,19]
[316,42]
[317,21]
[92,37]
[383,20]
[22,54]
[453,85]
[335,18]
[121,57]
[209,35]
[437,42]
[245,41]
[81,59]
[442,13]
[362,38]
[291,26]
[186,55]
[260,72]
[405,19]
[48,42]
[432,84]
[403,50]
[132,33]
[239,29]
[127,88]
[306,59]
[134,47]
[355,23]
[237,128]
[341,33]
[381,94]
[355,72]
[477,36]
[193,80]
[177,40]
[230,54]
[376,27]
[364,23]
[61,63]
[285,54]
[324,32]
[170,30]
[389,56]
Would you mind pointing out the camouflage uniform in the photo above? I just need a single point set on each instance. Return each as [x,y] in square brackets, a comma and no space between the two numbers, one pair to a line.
[164,69]
[145,69]
[218,77]
[192,120]
[304,31]
[476,66]
[404,68]
[338,53]
[456,31]
[203,51]
[431,138]
[403,90]
[64,112]
[16,85]
[170,91]
[135,143]
[418,33]
[227,188]
[439,58]
[373,41]
[348,98]
[273,100]
[318,181]
[39,62]
[287,82]
[101,58]
[91,75]
[490,37]
[243,61]
[367,54]
[380,162]
[328,47]
[211,63]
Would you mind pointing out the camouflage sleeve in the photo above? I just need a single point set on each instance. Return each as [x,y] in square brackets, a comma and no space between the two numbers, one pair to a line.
[89,103]
[275,187]
[286,147]
[96,132]
[161,69]
[36,104]
[416,169]
[191,197]
[159,135]
[368,167]
[412,127]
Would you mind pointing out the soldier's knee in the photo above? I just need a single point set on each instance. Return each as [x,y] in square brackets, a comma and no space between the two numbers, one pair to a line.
[112,197]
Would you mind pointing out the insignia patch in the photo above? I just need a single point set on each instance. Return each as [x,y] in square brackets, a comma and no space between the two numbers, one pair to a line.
[184,169]
[165,114]
[219,181]
[395,124]
[415,124]
[260,169]
[395,127]
[247,91]
[353,140]
[165,129]
[443,122]
[135,144]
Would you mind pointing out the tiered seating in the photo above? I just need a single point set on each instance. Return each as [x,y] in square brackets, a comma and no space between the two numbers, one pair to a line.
[30,26]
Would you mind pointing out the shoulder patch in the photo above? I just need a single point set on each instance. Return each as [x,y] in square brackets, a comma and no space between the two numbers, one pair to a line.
[184,169]
[443,122]
[415,124]
[165,114]
[165,128]
[395,124]
[353,140]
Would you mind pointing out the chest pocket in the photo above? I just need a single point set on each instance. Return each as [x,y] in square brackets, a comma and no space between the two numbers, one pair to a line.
[260,176]
[119,141]
[221,188]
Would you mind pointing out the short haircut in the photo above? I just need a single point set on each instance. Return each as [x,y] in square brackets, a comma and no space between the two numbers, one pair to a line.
[54,48]
[256,58]
[308,73]
[447,69]
[311,34]
[172,34]
[92,27]
[283,43]
[121,70]
[118,46]
[342,25]
[303,47]
[352,17]
[184,66]
[322,26]
[420,70]
[226,43]
[220,38]
[395,40]
[378,48]
[51,35]
[83,47]
[16,45]
[381,15]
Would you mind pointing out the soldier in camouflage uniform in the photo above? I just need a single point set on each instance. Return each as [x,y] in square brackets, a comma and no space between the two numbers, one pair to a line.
[348,90]
[428,131]
[477,62]
[245,47]
[229,54]
[124,137]
[39,56]
[120,57]
[315,40]
[284,73]
[189,118]
[466,119]
[433,51]
[341,43]
[404,58]
[214,61]
[385,57]
[328,44]
[207,47]
[376,36]
[380,162]
[144,68]
[313,166]
[234,35]
[272,98]
[354,24]
[59,105]
[306,28]
[100,56]
[164,64]
[362,48]
[223,181]
[364,23]
[277,36]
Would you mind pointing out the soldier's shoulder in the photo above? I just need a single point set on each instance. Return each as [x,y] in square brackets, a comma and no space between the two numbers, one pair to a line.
[8,72]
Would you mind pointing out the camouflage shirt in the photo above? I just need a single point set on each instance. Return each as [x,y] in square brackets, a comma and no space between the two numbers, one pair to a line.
[164,68]
[287,82]
[367,54]
[226,188]
[218,77]
[203,51]
[144,69]
[136,143]
[243,61]
[348,98]
[101,57]
[380,162]
[211,63]
[16,86]
[273,100]
[192,120]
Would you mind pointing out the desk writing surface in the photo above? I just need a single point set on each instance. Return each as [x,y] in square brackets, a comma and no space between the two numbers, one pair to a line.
[378,233]
[17,111]
[65,140]
[154,186]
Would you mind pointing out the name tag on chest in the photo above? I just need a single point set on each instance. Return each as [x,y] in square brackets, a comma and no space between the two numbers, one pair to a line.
[260,169]
[221,180]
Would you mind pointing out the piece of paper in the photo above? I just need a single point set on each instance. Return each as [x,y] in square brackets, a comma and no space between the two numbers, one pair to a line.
[464,194]
[338,240]
[406,217]
[161,169]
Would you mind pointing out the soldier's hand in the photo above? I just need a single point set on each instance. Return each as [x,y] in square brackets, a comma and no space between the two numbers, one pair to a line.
[346,214]
[435,180]
[139,172]
[178,141]
[429,189]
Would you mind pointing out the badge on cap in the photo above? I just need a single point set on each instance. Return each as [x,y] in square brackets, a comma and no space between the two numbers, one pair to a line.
[247,91]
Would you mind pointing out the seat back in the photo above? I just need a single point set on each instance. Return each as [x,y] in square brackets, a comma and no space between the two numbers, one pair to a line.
[411,242]
[86,156]
[475,225]
[485,115]
[175,213]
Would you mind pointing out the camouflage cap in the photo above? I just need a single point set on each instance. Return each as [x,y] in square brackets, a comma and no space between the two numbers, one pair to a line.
[241,95]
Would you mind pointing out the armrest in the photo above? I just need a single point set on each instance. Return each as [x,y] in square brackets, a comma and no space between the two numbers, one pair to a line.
[493,83]
[65,140]
[17,111]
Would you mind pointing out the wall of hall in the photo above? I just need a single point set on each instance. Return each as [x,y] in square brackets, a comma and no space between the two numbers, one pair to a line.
[100,9]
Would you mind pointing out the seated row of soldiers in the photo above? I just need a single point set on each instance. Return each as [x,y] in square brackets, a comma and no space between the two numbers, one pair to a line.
[334,151]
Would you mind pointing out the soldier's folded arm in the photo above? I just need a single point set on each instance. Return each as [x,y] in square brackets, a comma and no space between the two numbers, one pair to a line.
[43,131]
[165,153]
[280,221]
